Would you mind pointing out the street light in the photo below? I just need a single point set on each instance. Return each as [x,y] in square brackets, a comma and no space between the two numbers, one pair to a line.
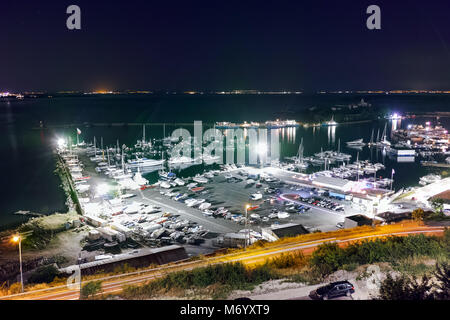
[18,239]
[246,229]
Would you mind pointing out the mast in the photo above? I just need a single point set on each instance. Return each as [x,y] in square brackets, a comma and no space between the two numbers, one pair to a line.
[103,152]
[107,154]
[143,134]
[378,135]
[339,145]
[123,165]
[357,161]
[95,148]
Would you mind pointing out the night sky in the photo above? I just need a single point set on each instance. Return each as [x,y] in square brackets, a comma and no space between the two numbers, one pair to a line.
[215,45]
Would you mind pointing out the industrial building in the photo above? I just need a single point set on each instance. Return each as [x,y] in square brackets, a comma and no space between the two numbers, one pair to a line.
[139,259]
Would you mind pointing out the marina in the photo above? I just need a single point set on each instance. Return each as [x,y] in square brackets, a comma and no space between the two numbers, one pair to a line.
[146,196]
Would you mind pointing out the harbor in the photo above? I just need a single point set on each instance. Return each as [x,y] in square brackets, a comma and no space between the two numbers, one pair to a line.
[144,196]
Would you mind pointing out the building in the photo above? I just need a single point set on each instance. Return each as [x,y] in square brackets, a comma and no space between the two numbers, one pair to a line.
[276,232]
[141,258]
[356,221]
[336,184]
[235,240]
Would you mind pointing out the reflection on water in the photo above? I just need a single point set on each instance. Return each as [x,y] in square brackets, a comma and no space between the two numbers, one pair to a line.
[331,134]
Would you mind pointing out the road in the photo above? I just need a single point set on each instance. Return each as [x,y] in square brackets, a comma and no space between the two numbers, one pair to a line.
[114,284]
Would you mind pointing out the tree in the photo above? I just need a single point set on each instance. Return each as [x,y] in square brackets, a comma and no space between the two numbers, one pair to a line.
[438,205]
[418,214]
[45,274]
[442,275]
[405,288]
[90,289]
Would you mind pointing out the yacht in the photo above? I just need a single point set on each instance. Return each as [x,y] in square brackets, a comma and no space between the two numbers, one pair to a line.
[198,178]
[179,182]
[144,163]
[356,143]
[430,178]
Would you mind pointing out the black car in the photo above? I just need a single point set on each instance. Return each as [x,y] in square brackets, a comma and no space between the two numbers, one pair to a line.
[333,290]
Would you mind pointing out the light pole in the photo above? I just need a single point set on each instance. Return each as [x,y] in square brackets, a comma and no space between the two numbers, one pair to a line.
[18,238]
[246,229]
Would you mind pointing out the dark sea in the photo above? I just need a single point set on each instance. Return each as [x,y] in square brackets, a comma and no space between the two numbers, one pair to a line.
[27,162]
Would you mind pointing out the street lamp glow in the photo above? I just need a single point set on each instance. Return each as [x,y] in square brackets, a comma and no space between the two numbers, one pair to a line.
[15,238]
[61,142]
[261,148]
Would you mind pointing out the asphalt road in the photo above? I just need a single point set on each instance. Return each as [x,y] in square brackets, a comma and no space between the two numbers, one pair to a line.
[113,284]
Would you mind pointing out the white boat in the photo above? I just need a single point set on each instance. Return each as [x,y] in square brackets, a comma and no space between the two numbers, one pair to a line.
[358,142]
[144,163]
[164,175]
[430,178]
[198,178]
[179,182]
[165,185]
[204,206]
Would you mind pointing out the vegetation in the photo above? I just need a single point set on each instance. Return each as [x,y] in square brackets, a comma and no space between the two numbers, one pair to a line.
[330,257]
[45,274]
[411,288]
[418,215]
[230,276]
[91,289]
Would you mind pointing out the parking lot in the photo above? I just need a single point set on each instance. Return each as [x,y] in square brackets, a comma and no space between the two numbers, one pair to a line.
[229,196]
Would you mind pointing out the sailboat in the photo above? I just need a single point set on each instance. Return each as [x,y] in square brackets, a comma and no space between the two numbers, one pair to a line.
[371,142]
[299,163]
[331,122]
[384,142]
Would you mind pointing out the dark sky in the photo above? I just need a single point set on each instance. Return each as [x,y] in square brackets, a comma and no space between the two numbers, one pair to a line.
[180,45]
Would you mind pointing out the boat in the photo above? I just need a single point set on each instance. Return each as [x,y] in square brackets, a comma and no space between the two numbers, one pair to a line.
[330,123]
[164,175]
[384,142]
[430,178]
[357,142]
[179,182]
[165,185]
[144,163]
[198,178]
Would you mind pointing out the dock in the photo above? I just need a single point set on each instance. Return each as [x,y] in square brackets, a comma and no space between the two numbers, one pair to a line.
[438,165]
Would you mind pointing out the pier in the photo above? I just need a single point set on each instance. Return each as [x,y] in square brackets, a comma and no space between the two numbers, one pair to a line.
[433,164]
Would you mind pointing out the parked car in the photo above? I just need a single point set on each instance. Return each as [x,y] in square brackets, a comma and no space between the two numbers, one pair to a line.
[333,290]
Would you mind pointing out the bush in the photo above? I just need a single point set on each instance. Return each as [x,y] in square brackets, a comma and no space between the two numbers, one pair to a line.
[45,274]
[90,289]
[15,288]
[404,288]
[330,257]
[288,260]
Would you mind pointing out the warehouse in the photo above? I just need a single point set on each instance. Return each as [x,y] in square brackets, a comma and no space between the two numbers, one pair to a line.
[142,258]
